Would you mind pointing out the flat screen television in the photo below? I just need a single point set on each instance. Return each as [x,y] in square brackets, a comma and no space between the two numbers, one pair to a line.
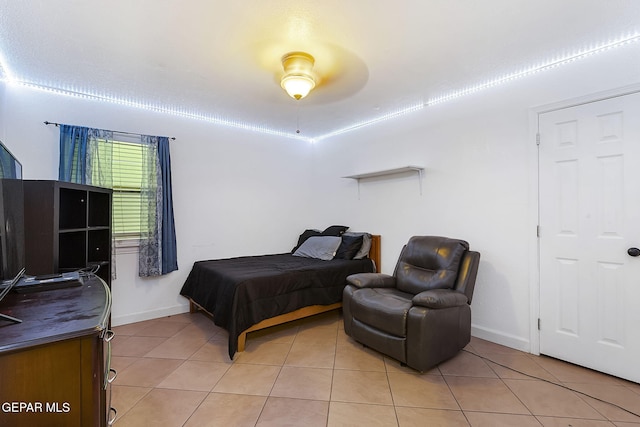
[11,215]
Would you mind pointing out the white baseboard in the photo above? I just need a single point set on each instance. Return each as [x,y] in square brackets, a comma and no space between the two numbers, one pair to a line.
[501,338]
[148,315]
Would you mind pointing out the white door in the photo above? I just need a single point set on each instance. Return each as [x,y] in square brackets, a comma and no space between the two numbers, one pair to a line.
[589,170]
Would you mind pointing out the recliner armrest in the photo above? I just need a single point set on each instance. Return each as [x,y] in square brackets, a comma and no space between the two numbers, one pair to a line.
[440,298]
[371,280]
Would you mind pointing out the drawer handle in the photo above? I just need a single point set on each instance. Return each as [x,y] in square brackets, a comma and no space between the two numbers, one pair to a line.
[115,374]
[115,414]
[108,335]
[108,369]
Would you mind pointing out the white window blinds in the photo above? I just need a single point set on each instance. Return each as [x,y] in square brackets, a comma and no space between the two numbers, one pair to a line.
[126,174]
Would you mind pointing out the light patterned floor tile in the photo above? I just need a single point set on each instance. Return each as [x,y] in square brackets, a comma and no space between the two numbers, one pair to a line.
[485,395]
[357,414]
[248,379]
[225,410]
[303,383]
[195,375]
[361,387]
[280,411]
[421,391]
[176,371]
[162,407]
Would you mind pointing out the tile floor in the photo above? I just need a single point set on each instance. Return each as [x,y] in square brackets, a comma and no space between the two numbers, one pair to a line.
[175,371]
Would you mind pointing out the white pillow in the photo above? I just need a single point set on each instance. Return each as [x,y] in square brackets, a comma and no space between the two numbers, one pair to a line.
[320,247]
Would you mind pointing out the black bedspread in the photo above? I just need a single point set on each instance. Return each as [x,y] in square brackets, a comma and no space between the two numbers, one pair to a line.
[243,291]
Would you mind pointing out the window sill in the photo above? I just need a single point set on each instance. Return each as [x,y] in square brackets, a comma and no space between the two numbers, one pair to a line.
[127,246]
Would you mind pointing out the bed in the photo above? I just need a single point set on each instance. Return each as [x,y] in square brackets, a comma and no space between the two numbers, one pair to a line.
[249,293]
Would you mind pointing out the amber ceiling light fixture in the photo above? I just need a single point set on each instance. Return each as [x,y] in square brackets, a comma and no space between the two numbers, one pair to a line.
[297,80]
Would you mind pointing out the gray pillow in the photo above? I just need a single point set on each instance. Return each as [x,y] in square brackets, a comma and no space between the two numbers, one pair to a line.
[366,244]
[320,247]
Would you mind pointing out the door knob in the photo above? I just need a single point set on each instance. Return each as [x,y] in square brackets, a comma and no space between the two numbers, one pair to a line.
[633,251]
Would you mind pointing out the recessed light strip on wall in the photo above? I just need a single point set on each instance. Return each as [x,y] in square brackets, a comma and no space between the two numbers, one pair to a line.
[536,69]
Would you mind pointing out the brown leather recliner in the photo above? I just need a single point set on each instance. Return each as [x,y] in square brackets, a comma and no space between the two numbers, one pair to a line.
[421,315]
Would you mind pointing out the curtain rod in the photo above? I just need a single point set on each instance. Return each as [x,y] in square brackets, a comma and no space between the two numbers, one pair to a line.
[173,138]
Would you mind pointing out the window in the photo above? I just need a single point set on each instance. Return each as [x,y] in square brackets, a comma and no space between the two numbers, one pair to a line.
[141,177]
[126,176]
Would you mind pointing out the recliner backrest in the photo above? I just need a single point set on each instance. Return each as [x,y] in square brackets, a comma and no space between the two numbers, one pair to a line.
[467,273]
[429,262]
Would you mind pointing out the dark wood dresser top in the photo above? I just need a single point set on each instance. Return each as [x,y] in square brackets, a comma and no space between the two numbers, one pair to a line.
[54,315]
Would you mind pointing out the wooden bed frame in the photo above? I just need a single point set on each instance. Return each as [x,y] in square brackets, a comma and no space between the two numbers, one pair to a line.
[374,254]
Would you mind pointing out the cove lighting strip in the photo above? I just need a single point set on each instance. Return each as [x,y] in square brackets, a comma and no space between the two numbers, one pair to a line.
[623,41]
[369,122]
[536,69]
[173,111]
[6,76]
[489,84]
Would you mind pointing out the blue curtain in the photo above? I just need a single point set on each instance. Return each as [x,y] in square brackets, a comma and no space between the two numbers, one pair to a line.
[157,252]
[73,154]
[169,247]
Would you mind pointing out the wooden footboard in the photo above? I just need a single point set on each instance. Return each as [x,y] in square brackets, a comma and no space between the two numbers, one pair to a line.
[284,318]
[194,307]
[300,313]
[374,254]
[375,251]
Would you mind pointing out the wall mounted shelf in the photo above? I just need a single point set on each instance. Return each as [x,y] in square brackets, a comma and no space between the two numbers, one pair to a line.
[419,170]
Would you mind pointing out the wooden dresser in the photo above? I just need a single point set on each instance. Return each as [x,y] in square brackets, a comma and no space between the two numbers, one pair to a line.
[55,365]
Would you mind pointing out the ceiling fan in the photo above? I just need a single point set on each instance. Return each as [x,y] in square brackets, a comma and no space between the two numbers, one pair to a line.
[317,73]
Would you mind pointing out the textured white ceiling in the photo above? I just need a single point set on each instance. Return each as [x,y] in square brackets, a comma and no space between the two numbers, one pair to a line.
[221,59]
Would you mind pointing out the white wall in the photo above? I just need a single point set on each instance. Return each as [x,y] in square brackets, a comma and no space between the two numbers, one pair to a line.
[238,193]
[479,182]
[235,192]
